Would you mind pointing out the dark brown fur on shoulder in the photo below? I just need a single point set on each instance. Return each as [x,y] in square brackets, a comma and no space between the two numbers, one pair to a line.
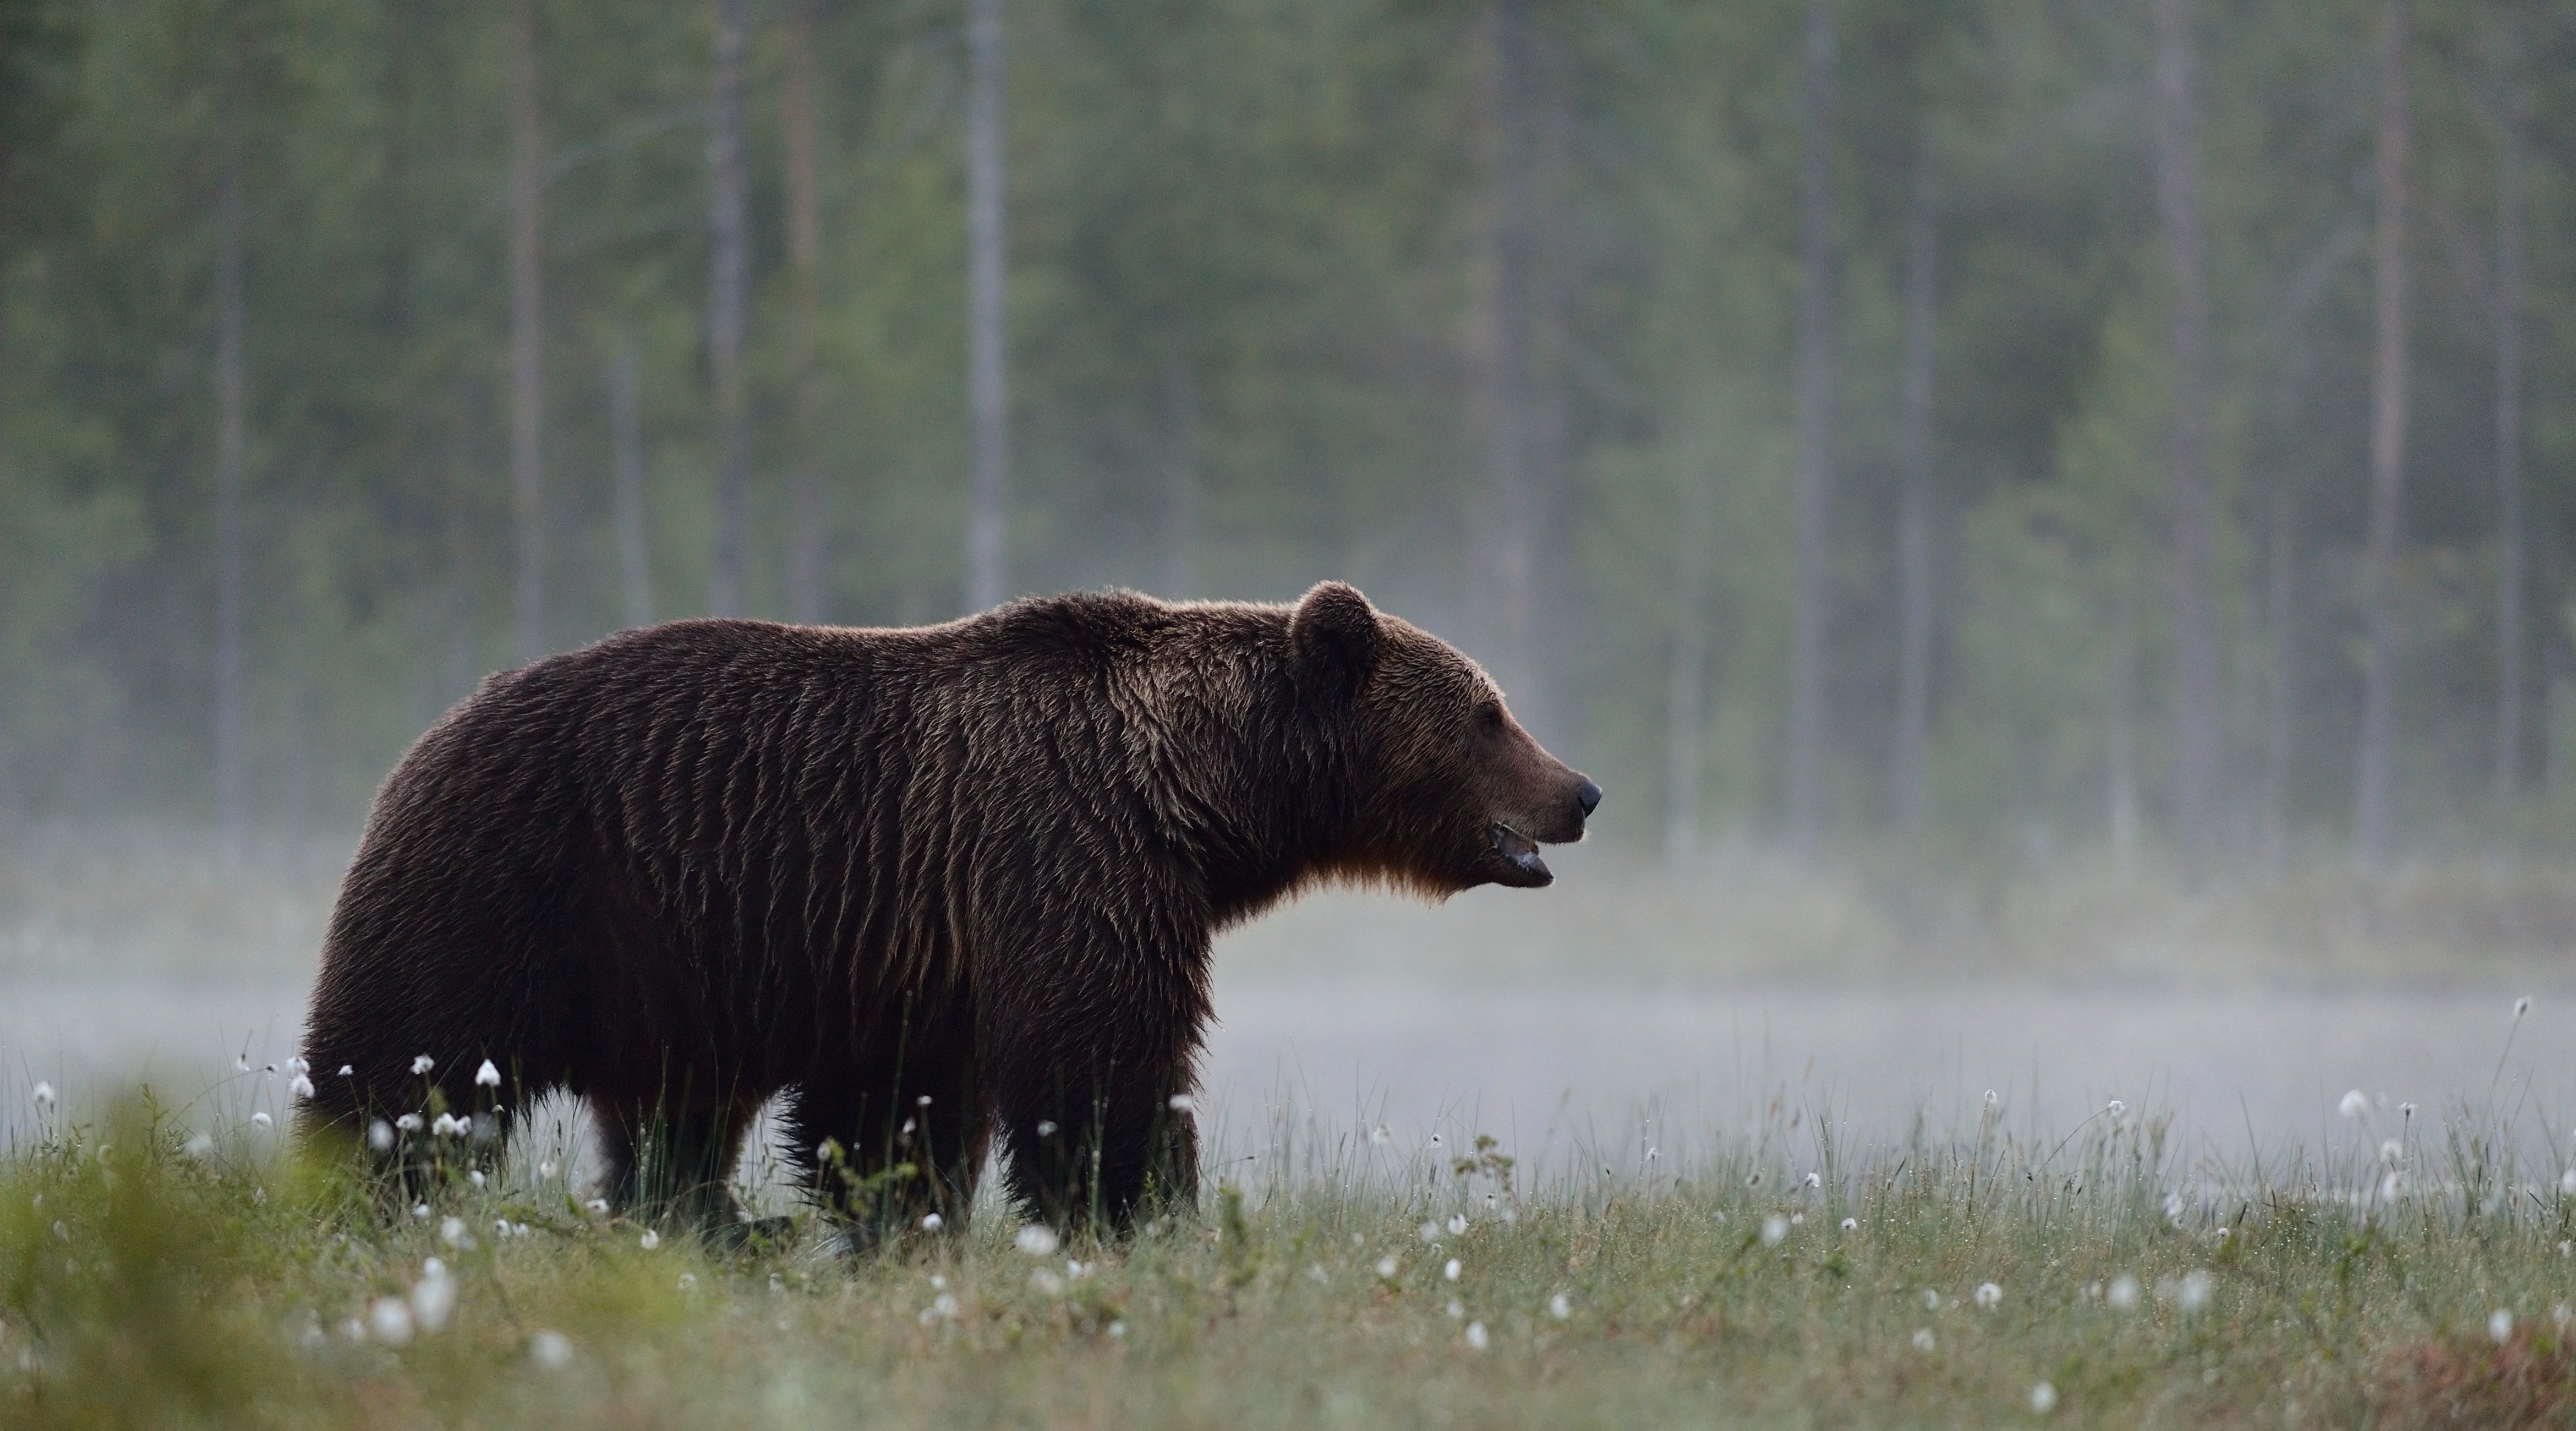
[942,884]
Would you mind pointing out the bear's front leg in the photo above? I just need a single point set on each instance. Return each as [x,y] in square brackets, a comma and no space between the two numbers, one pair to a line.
[1093,1105]
[1101,1151]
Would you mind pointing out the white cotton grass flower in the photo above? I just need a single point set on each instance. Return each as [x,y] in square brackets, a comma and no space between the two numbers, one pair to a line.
[448,1125]
[421,1064]
[299,1088]
[1815,1180]
[1457,1224]
[2115,1108]
[389,1321]
[688,1282]
[1037,1240]
[2522,1006]
[1775,1229]
[1560,1307]
[1387,1266]
[1851,1224]
[201,1147]
[348,1070]
[433,1297]
[1989,1296]
[1457,1310]
[1449,1270]
[2043,1399]
[487,1076]
[1429,1231]
[380,1136]
[1477,1340]
[410,1123]
[2191,1292]
[550,1350]
[1991,1100]
[1931,1300]
[598,1206]
[1380,1136]
[649,1240]
[2500,1321]
[262,1120]
[2123,1295]
[2356,1104]
[1046,1127]
[932,1222]
[451,1230]
[43,1094]
[475,1176]
[1923,1339]
[2392,1152]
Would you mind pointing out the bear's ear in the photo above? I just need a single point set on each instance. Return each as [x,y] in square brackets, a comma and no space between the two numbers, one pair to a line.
[1335,634]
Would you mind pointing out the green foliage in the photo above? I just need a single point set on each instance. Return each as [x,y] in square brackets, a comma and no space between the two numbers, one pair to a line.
[1253,240]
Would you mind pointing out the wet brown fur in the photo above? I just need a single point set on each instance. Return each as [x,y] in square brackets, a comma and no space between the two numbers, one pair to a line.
[943,884]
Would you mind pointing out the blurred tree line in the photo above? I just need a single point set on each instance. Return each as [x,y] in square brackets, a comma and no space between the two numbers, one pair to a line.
[2137,426]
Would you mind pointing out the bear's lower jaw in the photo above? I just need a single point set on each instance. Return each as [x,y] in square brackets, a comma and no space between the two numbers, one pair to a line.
[1520,853]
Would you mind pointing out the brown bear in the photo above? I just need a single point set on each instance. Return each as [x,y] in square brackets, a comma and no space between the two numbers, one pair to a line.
[937,884]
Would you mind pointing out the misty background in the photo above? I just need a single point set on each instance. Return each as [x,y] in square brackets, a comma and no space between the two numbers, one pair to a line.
[2065,502]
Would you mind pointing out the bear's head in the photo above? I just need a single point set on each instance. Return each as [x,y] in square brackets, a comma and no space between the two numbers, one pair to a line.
[1452,792]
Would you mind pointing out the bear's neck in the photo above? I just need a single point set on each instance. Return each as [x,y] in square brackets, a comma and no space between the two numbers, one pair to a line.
[1283,809]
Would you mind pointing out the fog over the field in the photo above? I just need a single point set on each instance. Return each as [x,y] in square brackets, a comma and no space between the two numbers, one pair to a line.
[2051,522]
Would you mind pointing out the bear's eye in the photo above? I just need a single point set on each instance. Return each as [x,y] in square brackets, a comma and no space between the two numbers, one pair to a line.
[1489,720]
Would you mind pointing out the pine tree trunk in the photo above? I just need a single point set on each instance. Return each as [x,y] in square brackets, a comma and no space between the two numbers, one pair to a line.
[2376,776]
[1180,469]
[2508,420]
[231,441]
[987,394]
[1815,430]
[626,458]
[1686,684]
[2281,559]
[1914,514]
[2280,676]
[804,254]
[1510,517]
[2197,751]
[527,339]
[2123,731]
[727,298]
[394,187]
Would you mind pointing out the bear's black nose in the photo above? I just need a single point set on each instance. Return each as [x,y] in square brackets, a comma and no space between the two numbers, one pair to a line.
[1589,797]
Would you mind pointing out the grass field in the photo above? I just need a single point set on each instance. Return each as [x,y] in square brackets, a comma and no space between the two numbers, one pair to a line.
[155,1275]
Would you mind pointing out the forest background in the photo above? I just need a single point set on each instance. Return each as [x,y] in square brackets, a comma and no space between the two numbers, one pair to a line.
[1980,428]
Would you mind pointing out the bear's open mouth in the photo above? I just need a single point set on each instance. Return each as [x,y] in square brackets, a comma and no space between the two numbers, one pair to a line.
[1520,851]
